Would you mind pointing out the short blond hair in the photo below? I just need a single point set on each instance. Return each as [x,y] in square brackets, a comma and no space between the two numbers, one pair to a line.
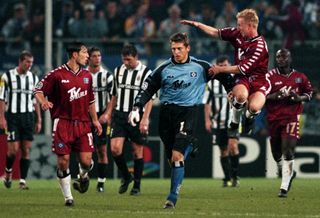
[250,16]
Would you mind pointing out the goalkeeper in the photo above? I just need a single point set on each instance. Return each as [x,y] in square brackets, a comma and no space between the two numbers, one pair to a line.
[181,80]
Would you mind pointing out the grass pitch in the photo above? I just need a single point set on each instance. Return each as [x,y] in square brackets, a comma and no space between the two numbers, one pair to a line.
[198,198]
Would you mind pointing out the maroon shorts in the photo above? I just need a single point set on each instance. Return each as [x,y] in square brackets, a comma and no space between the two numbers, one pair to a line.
[254,83]
[283,129]
[71,135]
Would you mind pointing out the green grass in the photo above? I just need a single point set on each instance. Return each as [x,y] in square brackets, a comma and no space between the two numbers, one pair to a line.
[199,198]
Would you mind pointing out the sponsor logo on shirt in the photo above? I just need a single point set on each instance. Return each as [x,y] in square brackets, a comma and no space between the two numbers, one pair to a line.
[76,93]
[180,84]
[278,83]
[129,86]
[65,81]
[286,90]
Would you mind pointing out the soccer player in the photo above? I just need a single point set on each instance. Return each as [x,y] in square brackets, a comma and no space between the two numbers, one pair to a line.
[102,83]
[284,105]
[128,79]
[67,92]
[218,114]
[181,80]
[16,87]
[250,69]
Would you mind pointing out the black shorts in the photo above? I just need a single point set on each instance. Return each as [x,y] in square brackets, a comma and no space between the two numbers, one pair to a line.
[120,127]
[176,125]
[221,137]
[20,126]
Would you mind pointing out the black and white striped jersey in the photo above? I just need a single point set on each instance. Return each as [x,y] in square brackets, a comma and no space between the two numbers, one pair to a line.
[16,90]
[101,85]
[216,97]
[126,85]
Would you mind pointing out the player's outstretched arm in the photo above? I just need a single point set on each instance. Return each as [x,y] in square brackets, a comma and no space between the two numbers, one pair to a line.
[211,31]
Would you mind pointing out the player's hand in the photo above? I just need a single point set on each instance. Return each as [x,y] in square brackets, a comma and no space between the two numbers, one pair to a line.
[214,70]
[98,127]
[294,97]
[144,126]
[208,126]
[38,126]
[134,116]
[190,23]
[277,95]
[46,105]
[105,118]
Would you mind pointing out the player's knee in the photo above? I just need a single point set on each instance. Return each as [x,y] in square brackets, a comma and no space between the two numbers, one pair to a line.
[116,150]
[254,109]
[176,156]
[63,162]
[224,152]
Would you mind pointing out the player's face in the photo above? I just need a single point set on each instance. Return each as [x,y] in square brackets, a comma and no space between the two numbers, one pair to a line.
[83,56]
[180,51]
[95,59]
[243,26]
[283,58]
[129,61]
[26,64]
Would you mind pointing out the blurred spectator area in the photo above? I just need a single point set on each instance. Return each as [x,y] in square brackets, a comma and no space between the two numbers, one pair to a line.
[148,23]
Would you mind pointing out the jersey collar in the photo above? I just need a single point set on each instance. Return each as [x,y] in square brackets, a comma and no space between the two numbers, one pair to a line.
[174,62]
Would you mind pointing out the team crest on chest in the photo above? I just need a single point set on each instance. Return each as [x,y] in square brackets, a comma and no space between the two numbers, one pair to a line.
[86,80]
[193,74]
[138,78]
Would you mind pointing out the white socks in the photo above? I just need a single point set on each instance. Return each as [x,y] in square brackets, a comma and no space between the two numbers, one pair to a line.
[287,172]
[66,187]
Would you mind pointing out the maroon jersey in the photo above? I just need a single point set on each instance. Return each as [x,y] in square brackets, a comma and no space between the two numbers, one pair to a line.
[251,55]
[294,82]
[70,93]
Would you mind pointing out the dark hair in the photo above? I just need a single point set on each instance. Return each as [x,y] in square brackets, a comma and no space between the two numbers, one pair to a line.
[128,50]
[24,54]
[93,49]
[74,47]
[180,37]
[222,58]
